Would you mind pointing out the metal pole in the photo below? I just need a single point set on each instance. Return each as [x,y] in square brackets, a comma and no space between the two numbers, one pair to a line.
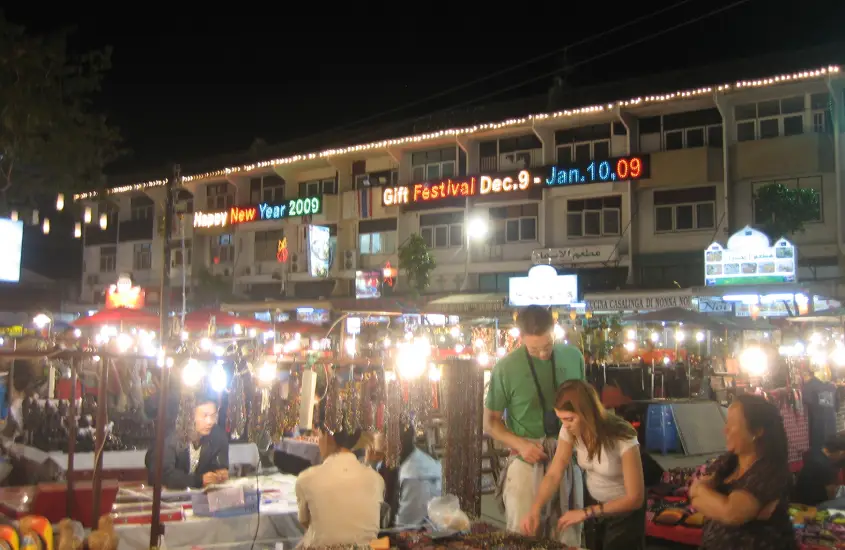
[100,438]
[156,528]
[71,439]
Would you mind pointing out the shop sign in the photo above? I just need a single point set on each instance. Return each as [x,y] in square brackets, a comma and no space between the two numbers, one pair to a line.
[124,294]
[639,302]
[574,173]
[578,255]
[542,287]
[714,305]
[749,259]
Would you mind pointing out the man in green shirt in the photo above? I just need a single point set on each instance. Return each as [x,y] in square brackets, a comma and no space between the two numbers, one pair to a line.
[524,384]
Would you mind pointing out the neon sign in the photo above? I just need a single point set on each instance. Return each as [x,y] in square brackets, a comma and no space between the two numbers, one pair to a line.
[282,251]
[292,208]
[633,167]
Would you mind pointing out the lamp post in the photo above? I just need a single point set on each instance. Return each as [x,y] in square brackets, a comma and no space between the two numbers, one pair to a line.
[476,229]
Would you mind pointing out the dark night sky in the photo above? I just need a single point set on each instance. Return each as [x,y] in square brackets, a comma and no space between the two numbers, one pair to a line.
[187,85]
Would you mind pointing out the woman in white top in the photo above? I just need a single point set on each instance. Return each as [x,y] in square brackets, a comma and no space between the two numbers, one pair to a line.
[339,500]
[607,451]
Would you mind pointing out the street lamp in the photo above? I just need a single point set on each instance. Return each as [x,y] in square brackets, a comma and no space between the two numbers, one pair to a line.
[476,229]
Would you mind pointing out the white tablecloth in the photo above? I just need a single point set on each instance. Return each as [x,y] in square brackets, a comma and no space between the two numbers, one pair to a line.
[240,454]
[277,520]
[303,449]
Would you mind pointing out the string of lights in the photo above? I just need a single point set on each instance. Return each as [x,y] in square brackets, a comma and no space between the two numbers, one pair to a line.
[467,131]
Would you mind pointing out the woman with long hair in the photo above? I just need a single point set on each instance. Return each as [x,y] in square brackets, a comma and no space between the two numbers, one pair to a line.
[745,496]
[607,451]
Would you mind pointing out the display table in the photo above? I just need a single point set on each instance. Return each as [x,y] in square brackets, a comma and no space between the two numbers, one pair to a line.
[482,536]
[275,522]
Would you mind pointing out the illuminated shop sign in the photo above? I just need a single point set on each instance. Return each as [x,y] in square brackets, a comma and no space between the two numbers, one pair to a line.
[577,173]
[748,259]
[292,208]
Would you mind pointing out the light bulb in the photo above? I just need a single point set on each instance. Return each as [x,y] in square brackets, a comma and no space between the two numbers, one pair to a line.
[217,378]
[104,222]
[13,215]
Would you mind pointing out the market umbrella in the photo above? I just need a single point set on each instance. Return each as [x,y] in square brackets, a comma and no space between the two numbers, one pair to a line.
[680,315]
[120,316]
[200,319]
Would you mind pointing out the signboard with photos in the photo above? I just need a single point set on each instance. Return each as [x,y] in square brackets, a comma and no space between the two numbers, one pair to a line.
[748,259]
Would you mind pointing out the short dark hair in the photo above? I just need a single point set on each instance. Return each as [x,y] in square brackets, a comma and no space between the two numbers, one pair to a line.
[535,321]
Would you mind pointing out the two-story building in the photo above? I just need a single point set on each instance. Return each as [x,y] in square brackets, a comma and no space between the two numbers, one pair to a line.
[627,194]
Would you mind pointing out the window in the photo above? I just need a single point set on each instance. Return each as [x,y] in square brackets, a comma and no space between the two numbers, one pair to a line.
[777,117]
[267,245]
[108,259]
[377,243]
[688,209]
[515,223]
[141,207]
[184,202]
[810,182]
[688,138]
[316,188]
[584,151]
[267,189]
[222,249]
[593,217]
[109,209]
[176,256]
[496,282]
[444,230]
[432,165]
[219,196]
[377,179]
[142,256]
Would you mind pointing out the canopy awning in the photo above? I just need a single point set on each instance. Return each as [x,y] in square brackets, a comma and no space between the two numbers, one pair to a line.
[468,304]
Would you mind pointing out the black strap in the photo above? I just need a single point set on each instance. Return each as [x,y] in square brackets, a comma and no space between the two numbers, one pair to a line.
[537,382]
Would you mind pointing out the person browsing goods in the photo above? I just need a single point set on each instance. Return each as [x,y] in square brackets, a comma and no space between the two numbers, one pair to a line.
[519,413]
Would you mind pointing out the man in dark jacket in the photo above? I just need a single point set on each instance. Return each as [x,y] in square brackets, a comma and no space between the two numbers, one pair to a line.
[205,459]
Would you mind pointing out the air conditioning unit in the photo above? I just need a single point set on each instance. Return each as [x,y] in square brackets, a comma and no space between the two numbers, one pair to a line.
[350,260]
[296,266]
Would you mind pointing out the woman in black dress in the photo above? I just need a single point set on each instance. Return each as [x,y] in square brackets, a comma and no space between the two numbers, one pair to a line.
[746,495]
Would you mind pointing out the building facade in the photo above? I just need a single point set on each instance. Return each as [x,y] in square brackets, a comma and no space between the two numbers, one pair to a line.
[627,194]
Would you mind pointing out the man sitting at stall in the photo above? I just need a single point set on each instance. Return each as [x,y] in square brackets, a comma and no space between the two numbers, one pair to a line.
[197,459]
[340,500]
[818,480]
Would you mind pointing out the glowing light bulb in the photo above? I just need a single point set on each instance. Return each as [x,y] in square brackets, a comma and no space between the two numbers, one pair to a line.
[104,222]
[45,227]
[77,230]
[60,202]
[86,215]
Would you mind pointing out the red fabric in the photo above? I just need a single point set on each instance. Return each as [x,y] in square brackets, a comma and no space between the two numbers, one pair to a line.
[612,397]
[690,536]
[63,389]
[797,430]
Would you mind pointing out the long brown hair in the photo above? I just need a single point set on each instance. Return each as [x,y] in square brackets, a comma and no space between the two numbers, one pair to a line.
[599,428]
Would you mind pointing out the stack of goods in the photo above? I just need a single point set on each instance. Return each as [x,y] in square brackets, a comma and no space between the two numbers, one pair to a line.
[481,536]
[818,529]
[668,503]
[36,533]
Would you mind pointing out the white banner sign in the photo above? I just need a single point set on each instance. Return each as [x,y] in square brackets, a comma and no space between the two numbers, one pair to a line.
[714,305]
[542,287]
[638,302]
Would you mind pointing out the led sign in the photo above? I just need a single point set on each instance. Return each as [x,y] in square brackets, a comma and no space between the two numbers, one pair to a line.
[265,211]
[749,259]
[576,173]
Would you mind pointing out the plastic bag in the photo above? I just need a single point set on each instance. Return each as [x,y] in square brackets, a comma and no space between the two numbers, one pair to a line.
[446,515]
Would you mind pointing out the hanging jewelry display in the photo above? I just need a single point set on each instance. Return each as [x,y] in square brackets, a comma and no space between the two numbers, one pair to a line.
[420,399]
[463,385]
[236,406]
[393,423]
[185,417]
[332,420]
[291,415]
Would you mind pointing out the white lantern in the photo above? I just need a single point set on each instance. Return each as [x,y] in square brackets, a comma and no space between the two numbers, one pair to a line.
[60,202]
[86,217]
[13,215]
[77,230]
[45,227]
[104,221]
